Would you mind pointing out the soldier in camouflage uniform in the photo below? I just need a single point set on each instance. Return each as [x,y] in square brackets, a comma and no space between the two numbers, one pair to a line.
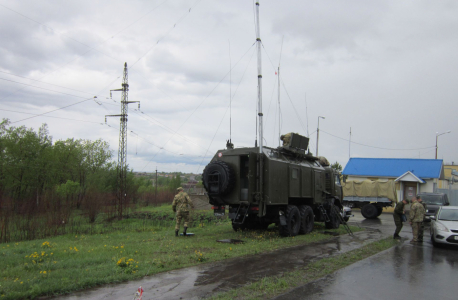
[397,215]
[286,138]
[416,216]
[422,225]
[180,205]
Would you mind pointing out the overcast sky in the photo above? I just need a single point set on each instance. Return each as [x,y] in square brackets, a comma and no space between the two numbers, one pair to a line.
[386,69]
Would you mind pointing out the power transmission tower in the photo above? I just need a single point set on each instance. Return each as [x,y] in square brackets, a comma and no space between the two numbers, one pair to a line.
[122,150]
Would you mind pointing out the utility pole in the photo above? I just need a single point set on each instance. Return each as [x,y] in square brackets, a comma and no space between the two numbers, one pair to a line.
[155,195]
[318,134]
[122,150]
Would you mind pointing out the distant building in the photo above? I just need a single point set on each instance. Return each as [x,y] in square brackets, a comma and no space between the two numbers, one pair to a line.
[412,176]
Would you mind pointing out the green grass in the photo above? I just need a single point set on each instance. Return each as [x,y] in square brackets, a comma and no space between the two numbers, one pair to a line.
[143,247]
[273,286]
[139,219]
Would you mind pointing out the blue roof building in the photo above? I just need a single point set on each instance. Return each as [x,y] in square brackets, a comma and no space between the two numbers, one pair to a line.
[411,175]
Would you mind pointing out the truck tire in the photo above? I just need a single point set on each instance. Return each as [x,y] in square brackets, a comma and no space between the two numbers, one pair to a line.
[307,219]
[293,221]
[369,211]
[379,210]
[225,175]
[334,220]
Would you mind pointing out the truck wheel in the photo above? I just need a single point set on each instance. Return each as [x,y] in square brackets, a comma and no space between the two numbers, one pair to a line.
[307,218]
[379,210]
[224,173]
[334,220]
[369,211]
[293,221]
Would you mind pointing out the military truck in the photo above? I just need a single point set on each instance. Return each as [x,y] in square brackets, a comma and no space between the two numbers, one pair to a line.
[369,195]
[283,185]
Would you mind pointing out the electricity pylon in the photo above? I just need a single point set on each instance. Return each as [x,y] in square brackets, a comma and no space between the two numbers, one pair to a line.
[122,150]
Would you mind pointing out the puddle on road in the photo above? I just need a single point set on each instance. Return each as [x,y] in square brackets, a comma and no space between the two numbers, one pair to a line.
[203,281]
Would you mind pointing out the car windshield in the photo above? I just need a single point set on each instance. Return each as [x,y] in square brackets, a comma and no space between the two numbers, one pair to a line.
[449,215]
[432,199]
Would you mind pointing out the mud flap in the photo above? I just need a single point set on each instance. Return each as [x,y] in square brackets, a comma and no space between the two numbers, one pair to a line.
[282,220]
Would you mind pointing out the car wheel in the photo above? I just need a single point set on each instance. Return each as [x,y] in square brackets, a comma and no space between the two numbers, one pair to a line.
[433,241]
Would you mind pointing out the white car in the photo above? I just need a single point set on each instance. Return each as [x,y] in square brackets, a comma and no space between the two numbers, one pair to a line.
[444,226]
[346,213]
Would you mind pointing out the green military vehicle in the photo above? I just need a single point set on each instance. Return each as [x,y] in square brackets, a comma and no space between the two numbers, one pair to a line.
[283,185]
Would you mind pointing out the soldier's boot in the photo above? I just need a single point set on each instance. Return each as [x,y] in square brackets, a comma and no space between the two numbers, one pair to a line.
[184,232]
[396,236]
[176,232]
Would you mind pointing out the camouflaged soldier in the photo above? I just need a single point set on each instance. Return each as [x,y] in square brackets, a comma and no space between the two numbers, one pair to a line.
[422,225]
[416,216]
[180,205]
[399,210]
[286,138]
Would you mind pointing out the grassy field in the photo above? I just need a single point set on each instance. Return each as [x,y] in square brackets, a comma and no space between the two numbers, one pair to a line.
[146,245]
[270,287]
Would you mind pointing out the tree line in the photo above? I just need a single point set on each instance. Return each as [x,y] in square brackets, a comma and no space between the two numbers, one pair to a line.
[45,180]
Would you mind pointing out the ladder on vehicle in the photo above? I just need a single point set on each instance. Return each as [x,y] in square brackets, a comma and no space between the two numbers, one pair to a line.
[342,220]
[339,216]
[243,208]
[323,212]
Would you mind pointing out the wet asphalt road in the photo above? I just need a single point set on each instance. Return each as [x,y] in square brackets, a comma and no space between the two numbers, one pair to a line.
[406,271]
[361,283]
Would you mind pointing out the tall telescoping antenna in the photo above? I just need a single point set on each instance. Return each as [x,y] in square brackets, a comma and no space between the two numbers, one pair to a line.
[279,109]
[258,47]
[230,94]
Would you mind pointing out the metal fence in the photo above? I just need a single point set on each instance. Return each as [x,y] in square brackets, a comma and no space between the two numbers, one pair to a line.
[452,195]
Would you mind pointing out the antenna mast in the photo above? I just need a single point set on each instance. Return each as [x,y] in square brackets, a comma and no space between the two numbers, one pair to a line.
[258,47]
[230,94]
[349,145]
[279,111]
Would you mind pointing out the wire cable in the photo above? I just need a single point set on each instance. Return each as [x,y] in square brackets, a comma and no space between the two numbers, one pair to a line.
[20,112]
[375,147]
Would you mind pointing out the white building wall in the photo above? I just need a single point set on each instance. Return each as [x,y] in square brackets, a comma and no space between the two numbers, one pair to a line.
[427,187]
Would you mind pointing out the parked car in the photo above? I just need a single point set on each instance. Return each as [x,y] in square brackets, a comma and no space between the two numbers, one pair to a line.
[444,226]
[346,213]
[433,201]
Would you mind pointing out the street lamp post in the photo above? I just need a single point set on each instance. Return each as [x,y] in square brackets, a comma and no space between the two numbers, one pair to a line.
[318,133]
[438,134]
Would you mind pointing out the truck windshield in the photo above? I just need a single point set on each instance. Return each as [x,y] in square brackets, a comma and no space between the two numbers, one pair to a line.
[449,215]
[433,199]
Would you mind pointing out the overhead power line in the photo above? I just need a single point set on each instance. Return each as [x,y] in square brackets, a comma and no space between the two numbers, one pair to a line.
[36,115]
[375,147]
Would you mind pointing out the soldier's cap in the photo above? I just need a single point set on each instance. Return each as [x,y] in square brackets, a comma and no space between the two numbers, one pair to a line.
[179,189]
[407,200]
